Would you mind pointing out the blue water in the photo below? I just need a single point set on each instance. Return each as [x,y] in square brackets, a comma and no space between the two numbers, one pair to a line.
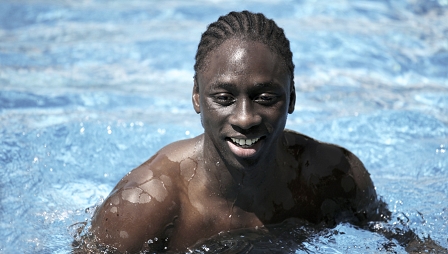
[90,89]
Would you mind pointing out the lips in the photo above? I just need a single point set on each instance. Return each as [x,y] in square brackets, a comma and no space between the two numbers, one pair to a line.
[243,147]
[244,142]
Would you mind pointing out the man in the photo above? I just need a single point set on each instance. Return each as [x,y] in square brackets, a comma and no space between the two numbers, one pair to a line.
[246,170]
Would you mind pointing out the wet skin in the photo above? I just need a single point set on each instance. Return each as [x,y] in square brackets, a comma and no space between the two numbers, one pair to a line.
[245,171]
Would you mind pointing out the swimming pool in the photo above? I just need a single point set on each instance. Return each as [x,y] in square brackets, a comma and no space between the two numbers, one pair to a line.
[91,89]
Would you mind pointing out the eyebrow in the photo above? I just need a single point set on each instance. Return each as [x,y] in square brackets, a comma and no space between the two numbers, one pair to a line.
[269,84]
[226,86]
[229,86]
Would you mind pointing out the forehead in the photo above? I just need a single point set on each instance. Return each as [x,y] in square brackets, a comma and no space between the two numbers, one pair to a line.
[247,61]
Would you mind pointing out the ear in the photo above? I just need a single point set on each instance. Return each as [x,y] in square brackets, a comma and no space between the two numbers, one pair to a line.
[195,98]
[292,98]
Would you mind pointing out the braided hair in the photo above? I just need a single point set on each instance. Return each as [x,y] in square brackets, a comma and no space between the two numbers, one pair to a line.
[247,26]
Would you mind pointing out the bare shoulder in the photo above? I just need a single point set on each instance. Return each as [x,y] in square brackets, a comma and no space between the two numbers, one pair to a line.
[337,177]
[145,203]
[325,159]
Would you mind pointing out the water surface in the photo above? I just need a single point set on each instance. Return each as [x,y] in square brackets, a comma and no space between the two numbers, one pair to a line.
[91,89]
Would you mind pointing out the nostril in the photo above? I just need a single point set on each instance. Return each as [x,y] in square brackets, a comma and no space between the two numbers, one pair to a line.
[245,121]
[246,131]
[244,124]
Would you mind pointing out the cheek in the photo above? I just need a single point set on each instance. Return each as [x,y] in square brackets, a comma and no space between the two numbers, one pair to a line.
[210,120]
[275,125]
[275,117]
[270,128]
[213,115]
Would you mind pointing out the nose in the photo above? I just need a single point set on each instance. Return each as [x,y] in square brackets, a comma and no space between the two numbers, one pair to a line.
[244,116]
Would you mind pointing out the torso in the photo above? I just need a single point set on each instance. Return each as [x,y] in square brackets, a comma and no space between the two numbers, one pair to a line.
[205,212]
[196,204]
[291,193]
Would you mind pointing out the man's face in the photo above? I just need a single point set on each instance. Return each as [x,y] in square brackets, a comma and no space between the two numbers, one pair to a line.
[244,97]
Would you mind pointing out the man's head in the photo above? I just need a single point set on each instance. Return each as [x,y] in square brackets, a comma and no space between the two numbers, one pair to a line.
[244,88]
[246,26]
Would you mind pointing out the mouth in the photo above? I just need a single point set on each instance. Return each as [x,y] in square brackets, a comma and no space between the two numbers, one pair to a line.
[242,142]
[245,147]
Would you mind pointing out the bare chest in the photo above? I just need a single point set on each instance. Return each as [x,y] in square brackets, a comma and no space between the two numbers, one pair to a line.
[208,217]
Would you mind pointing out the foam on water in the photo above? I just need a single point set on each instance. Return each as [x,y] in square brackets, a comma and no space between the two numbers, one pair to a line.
[91,89]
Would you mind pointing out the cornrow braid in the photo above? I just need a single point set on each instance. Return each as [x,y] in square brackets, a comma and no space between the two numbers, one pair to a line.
[248,26]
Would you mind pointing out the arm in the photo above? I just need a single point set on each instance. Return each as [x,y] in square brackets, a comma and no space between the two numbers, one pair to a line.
[367,205]
[141,207]
[376,210]
[342,184]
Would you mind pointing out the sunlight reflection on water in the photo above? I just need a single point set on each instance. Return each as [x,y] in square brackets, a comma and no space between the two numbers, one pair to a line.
[91,89]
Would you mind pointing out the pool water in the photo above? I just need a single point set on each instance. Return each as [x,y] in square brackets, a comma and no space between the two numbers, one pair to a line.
[90,89]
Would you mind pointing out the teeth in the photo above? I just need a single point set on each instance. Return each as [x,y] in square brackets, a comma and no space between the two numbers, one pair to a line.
[244,142]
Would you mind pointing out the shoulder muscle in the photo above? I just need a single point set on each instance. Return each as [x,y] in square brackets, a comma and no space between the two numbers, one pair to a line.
[141,207]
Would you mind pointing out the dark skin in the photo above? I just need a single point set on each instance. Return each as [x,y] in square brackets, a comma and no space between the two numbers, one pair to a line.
[245,171]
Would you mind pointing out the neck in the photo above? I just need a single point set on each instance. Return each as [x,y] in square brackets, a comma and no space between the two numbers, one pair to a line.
[231,179]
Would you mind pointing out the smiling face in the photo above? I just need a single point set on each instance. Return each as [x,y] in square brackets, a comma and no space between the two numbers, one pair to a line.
[244,95]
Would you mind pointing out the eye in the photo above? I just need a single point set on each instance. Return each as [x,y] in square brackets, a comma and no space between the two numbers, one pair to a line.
[266,99]
[224,99]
